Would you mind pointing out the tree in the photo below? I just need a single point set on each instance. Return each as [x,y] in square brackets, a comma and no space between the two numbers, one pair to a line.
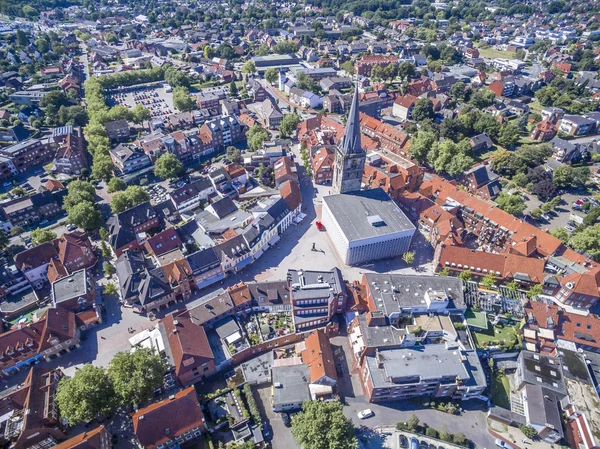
[167,166]
[460,439]
[587,241]
[535,290]
[140,114]
[256,137]
[544,189]
[458,90]
[271,75]
[444,272]
[305,82]
[102,167]
[42,45]
[348,67]
[406,70]
[445,435]
[561,234]
[86,395]
[39,236]
[563,176]
[581,176]
[110,289]
[288,125]
[16,230]
[413,422]
[135,375]
[132,196]
[408,257]
[285,47]
[182,99]
[267,176]
[116,185]
[79,192]
[84,215]
[207,51]
[421,144]
[508,136]
[513,204]
[18,191]
[233,90]
[507,163]
[22,40]
[528,431]
[423,110]
[488,281]
[431,432]
[513,286]
[591,217]
[322,425]
[108,268]
[233,154]
[106,252]
[249,67]
[465,275]
[482,98]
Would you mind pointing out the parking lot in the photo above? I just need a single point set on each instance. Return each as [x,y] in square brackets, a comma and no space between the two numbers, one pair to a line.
[154,98]
[561,216]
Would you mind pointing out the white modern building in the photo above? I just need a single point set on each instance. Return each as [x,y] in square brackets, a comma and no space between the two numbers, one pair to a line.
[366,225]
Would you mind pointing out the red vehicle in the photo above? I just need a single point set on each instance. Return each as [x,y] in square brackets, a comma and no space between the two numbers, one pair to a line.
[320,226]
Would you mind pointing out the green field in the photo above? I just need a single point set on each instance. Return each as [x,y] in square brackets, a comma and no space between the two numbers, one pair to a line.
[491,52]
[493,334]
[476,319]
[500,390]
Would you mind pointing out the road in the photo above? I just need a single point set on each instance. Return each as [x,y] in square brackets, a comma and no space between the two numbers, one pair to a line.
[85,61]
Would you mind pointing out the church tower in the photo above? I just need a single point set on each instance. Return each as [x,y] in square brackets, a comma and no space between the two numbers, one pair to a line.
[349,155]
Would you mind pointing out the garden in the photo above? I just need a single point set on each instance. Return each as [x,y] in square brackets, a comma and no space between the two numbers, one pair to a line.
[505,336]
[266,326]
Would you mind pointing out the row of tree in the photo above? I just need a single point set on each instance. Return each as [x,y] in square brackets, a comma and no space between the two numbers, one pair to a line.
[129,381]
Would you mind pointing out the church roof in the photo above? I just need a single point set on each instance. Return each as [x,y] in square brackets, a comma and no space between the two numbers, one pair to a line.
[351,140]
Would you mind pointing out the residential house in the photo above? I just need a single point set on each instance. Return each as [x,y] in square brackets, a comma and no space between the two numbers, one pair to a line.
[481,143]
[54,334]
[189,350]
[576,125]
[170,422]
[481,181]
[30,210]
[322,162]
[127,228]
[192,195]
[71,157]
[98,438]
[117,129]
[33,419]
[284,170]
[403,107]
[129,158]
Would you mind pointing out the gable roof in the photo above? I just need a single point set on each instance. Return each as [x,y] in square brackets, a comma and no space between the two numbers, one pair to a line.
[318,356]
[162,421]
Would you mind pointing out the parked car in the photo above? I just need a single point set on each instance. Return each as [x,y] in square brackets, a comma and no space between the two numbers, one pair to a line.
[366,413]
[503,444]
[71,228]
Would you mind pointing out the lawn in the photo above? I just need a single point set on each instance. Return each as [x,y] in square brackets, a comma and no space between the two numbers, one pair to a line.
[476,319]
[493,335]
[491,52]
[500,390]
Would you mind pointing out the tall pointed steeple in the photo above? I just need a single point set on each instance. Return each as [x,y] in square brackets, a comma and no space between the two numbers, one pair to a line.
[351,139]
[349,155]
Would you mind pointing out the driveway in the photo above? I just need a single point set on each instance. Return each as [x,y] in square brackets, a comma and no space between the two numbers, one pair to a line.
[472,422]
[283,438]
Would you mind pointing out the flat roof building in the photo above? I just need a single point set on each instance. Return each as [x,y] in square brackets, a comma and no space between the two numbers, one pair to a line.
[438,370]
[366,225]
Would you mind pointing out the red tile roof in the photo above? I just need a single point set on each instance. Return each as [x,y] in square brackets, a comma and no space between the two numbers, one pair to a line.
[319,357]
[508,265]
[163,421]
[188,342]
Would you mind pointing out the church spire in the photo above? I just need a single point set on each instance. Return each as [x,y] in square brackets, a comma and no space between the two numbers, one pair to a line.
[351,140]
